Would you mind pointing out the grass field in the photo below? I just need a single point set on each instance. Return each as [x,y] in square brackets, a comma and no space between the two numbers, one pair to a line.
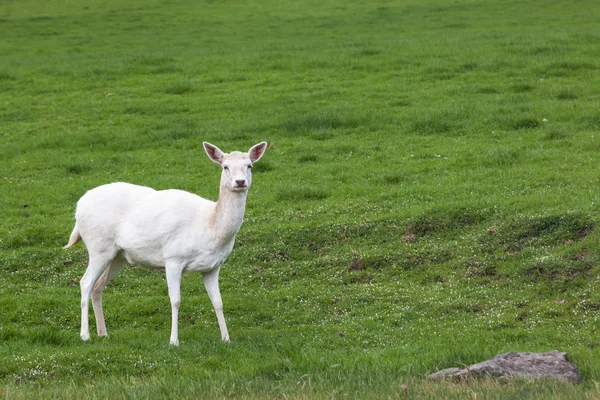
[429,198]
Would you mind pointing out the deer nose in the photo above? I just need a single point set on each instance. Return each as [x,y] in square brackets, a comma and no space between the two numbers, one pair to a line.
[240,182]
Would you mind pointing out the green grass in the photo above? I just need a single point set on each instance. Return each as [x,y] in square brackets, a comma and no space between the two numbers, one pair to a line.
[429,198]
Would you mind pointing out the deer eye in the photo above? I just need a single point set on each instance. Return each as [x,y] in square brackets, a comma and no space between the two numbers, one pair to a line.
[250,166]
[226,168]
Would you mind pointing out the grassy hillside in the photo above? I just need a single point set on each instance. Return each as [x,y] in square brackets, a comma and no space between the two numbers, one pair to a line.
[429,198]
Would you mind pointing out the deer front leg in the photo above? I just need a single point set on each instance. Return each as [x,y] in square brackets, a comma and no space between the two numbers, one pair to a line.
[174,283]
[211,283]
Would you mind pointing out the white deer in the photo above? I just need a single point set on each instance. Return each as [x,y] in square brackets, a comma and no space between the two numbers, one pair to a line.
[170,229]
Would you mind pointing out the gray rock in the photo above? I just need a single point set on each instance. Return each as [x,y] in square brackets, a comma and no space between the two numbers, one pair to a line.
[531,366]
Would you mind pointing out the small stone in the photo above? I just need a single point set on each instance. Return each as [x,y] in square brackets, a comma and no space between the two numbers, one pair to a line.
[531,366]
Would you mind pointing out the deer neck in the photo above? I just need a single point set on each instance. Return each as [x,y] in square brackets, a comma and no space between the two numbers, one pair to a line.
[229,214]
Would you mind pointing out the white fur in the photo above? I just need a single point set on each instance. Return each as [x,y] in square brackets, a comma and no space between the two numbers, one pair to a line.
[169,229]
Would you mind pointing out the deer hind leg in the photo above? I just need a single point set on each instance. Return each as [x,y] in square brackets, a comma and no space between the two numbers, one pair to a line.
[96,267]
[107,276]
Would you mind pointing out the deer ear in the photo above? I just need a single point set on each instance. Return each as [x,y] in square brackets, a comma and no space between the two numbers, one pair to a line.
[257,151]
[214,153]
